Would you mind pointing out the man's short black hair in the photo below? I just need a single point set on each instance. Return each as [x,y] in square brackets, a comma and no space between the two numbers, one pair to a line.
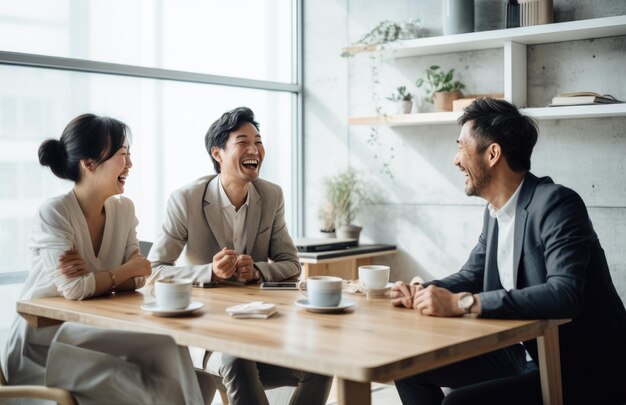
[501,122]
[217,135]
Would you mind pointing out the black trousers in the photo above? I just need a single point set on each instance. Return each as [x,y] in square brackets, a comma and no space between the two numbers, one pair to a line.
[503,376]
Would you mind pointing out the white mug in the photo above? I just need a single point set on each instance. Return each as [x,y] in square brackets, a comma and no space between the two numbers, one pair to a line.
[323,291]
[173,293]
[373,276]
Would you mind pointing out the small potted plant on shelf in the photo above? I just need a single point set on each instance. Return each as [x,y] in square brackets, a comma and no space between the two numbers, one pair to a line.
[346,192]
[326,215]
[442,89]
[384,32]
[403,100]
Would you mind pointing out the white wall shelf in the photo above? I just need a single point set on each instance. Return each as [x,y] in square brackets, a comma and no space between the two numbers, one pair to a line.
[532,35]
[544,113]
[514,42]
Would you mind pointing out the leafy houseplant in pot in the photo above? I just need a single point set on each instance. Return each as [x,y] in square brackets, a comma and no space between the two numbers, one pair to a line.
[403,100]
[326,215]
[346,192]
[386,31]
[442,89]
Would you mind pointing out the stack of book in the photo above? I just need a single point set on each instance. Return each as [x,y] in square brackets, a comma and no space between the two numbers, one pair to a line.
[582,98]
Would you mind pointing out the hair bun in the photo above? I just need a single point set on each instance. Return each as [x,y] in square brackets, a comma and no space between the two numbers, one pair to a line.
[52,154]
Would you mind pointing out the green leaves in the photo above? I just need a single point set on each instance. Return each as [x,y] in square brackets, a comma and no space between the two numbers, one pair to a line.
[386,31]
[401,95]
[345,192]
[439,80]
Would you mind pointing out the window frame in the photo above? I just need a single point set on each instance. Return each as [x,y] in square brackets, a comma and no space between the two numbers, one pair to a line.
[107,68]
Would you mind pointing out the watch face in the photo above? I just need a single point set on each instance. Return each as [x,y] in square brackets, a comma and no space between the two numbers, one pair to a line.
[466,301]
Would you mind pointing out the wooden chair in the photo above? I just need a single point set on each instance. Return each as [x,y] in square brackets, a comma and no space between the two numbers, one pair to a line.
[59,395]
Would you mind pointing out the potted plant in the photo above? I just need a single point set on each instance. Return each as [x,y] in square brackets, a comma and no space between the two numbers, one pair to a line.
[346,192]
[403,100]
[386,31]
[326,215]
[442,89]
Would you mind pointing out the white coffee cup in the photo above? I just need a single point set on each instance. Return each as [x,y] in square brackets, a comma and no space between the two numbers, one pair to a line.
[173,293]
[373,276]
[323,291]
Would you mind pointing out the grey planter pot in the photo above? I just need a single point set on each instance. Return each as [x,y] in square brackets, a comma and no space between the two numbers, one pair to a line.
[349,232]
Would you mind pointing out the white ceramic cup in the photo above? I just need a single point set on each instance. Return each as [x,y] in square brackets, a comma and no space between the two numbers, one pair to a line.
[173,293]
[373,276]
[323,291]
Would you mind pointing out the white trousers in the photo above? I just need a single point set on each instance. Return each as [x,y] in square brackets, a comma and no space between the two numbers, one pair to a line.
[111,366]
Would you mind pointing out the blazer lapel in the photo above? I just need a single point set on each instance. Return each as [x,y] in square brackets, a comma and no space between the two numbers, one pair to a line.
[213,212]
[253,218]
[521,215]
[492,278]
[518,239]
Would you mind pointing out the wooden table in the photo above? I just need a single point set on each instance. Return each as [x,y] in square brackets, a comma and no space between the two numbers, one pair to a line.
[342,263]
[373,342]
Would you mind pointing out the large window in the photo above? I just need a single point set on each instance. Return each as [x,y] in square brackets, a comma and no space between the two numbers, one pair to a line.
[168,69]
[239,38]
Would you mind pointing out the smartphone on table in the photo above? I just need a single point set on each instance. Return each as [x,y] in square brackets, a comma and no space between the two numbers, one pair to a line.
[279,285]
[208,284]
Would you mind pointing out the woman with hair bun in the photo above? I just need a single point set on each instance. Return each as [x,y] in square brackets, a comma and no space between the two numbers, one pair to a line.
[84,244]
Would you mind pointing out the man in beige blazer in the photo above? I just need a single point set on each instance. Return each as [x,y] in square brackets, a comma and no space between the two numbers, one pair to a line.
[230,225]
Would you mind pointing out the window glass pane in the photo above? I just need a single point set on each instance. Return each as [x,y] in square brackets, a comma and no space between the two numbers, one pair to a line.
[168,121]
[240,38]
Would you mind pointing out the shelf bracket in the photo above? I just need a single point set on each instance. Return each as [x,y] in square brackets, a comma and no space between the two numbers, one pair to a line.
[515,85]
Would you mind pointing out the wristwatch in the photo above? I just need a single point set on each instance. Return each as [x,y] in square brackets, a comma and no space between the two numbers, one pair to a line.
[466,301]
[257,274]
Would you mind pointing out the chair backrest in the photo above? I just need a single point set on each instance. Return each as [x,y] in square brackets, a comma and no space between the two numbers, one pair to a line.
[58,395]
[3,380]
[144,247]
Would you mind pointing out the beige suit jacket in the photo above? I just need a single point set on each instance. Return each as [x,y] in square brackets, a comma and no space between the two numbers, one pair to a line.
[193,233]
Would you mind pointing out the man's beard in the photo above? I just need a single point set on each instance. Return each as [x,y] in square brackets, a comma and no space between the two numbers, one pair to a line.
[478,181]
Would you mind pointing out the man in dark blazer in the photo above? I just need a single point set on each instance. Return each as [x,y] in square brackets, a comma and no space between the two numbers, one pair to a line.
[232,226]
[538,256]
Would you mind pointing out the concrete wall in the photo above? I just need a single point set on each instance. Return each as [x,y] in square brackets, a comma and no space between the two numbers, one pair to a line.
[420,204]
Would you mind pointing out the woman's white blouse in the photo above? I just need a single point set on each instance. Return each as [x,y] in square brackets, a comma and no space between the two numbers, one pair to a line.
[61,225]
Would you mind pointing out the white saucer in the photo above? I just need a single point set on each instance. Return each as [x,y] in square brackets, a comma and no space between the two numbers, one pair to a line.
[381,291]
[376,292]
[154,308]
[344,304]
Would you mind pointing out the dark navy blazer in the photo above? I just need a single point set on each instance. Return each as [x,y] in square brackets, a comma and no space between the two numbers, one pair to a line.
[561,272]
